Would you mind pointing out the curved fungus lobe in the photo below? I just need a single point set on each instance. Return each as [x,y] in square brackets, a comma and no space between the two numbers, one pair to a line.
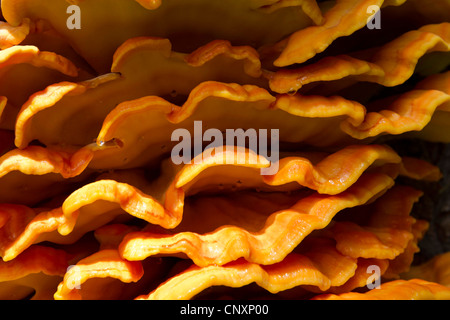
[161,202]
[419,169]
[31,55]
[23,226]
[312,267]
[364,242]
[434,270]
[387,233]
[40,173]
[67,106]
[187,25]
[102,264]
[14,35]
[361,277]
[34,70]
[297,269]
[343,19]
[328,173]
[104,275]
[420,113]
[325,121]
[268,238]
[109,236]
[414,289]
[40,34]
[36,160]
[125,141]
[436,130]
[216,104]
[390,65]
[412,111]
[259,237]
[403,262]
[36,272]
[86,209]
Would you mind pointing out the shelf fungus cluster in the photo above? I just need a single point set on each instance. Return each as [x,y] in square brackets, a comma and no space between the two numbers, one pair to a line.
[93,205]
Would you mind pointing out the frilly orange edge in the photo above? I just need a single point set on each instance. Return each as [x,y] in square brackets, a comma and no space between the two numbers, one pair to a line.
[390,65]
[415,289]
[211,63]
[37,269]
[344,18]
[282,232]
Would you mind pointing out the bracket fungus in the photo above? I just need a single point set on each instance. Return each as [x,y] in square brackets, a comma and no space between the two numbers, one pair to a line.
[138,138]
